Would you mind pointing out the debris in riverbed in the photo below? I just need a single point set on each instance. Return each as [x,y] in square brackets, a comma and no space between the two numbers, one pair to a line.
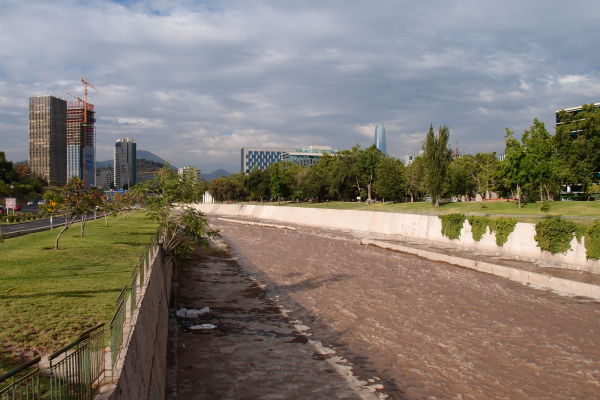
[192,313]
[202,327]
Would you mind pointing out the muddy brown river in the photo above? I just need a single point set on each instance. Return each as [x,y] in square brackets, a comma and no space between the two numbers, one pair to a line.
[427,330]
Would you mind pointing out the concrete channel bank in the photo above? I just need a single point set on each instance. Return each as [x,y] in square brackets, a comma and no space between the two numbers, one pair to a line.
[521,244]
[140,371]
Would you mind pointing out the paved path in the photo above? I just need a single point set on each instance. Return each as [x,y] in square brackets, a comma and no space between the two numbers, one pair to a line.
[428,330]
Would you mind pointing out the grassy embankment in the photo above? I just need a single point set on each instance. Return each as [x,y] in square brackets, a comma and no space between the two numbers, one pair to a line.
[48,297]
[565,208]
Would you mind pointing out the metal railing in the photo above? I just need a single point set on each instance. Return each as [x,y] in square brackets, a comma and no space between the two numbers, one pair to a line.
[22,383]
[77,368]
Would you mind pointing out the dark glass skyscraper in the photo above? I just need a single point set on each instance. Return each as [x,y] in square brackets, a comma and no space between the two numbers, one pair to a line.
[380,142]
[124,163]
[47,138]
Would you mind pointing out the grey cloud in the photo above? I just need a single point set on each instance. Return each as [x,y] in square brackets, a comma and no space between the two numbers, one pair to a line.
[195,81]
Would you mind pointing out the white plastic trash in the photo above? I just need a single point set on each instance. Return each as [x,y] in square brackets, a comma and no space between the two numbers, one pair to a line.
[193,313]
[202,327]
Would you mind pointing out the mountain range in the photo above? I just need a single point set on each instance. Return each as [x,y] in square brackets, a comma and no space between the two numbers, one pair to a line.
[149,156]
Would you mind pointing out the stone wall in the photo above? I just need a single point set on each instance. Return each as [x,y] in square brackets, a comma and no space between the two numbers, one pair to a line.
[142,364]
[520,245]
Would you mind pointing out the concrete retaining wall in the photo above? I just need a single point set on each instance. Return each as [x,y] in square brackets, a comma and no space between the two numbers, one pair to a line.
[142,365]
[525,277]
[520,245]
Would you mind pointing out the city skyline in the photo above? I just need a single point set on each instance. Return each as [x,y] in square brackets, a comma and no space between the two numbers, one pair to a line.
[197,81]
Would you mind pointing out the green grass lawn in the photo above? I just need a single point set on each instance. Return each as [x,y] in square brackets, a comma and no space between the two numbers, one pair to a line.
[570,208]
[48,297]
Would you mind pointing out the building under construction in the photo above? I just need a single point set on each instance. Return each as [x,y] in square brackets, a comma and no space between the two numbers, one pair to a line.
[81,142]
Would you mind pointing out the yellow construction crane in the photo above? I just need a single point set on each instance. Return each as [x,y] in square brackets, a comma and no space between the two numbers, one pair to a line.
[85,98]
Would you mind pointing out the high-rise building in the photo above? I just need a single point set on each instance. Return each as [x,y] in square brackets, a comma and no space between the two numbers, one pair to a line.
[47,138]
[81,142]
[380,141]
[262,157]
[124,163]
[104,178]
[307,156]
[190,171]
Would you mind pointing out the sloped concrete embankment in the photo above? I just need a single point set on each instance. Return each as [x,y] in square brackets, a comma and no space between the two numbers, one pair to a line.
[141,368]
[521,244]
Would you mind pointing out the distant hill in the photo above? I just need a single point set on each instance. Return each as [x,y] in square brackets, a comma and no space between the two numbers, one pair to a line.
[147,155]
[145,169]
[140,155]
[217,174]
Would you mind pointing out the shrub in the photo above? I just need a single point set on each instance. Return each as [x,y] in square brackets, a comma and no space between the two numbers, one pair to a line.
[452,225]
[592,242]
[545,206]
[503,227]
[554,234]
[478,227]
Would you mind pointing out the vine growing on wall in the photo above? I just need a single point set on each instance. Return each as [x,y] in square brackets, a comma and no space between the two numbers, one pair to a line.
[554,234]
[592,242]
[478,227]
[452,225]
[502,227]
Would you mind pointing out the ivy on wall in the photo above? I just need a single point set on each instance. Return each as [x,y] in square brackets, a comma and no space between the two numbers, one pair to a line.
[554,234]
[592,242]
[503,227]
[452,225]
[478,227]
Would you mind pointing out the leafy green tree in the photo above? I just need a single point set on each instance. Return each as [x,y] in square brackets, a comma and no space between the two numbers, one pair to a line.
[511,170]
[539,160]
[226,188]
[461,182]
[366,167]
[74,203]
[577,142]
[282,179]
[390,179]
[437,157]
[308,184]
[486,173]
[343,181]
[257,185]
[181,230]
[415,179]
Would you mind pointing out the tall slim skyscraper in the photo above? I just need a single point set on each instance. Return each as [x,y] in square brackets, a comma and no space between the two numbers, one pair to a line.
[124,163]
[47,138]
[380,142]
[81,142]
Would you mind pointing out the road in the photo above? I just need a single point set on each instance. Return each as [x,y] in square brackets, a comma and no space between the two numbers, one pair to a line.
[428,330]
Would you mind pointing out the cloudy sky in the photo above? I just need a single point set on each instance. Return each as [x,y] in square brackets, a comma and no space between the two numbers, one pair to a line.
[194,81]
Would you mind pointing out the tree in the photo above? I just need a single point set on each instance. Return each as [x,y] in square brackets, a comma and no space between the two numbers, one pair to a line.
[577,142]
[366,166]
[281,177]
[511,168]
[307,185]
[415,179]
[74,203]
[390,179]
[181,230]
[257,185]
[539,160]
[461,182]
[437,157]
